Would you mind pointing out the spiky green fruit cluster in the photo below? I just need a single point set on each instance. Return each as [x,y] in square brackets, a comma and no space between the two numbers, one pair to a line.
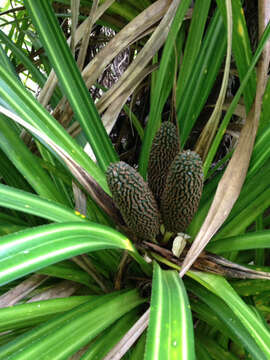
[134,199]
[164,148]
[182,192]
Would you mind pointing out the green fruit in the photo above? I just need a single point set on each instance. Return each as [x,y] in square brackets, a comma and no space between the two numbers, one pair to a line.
[164,148]
[134,199]
[182,193]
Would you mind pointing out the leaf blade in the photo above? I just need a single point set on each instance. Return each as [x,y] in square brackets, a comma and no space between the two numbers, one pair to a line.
[32,249]
[170,332]
[71,80]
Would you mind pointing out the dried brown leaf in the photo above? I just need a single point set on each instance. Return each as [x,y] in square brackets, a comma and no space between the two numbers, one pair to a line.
[124,38]
[14,295]
[128,35]
[75,10]
[152,46]
[61,290]
[110,116]
[86,36]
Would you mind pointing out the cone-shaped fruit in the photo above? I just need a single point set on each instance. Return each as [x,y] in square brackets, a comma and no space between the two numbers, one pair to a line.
[164,148]
[134,199]
[182,193]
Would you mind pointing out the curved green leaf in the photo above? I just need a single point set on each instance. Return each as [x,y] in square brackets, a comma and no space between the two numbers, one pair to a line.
[170,331]
[193,44]
[50,326]
[103,344]
[256,240]
[73,85]
[11,175]
[32,204]
[24,315]
[14,96]
[4,59]
[208,62]
[34,338]
[68,270]
[32,249]
[228,324]
[78,330]
[25,161]
[244,81]
[219,286]
[139,348]
[215,350]
[20,55]
[201,352]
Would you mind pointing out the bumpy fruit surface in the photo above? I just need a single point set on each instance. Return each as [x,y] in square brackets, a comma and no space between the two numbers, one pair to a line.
[164,148]
[182,193]
[134,199]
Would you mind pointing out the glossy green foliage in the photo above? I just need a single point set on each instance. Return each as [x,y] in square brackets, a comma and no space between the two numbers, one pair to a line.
[64,65]
[103,344]
[25,315]
[32,249]
[190,102]
[32,204]
[170,333]
[220,287]
[14,94]
[22,58]
[65,334]
[42,232]
[16,150]
[216,313]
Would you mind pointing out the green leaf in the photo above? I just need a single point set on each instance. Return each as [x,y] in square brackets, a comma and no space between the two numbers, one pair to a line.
[170,331]
[260,158]
[241,48]
[230,325]
[214,349]
[32,204]
[39,331]
[104,343]
[204,73]
[161,82]
[24,315]
[70,78]
[78,327]
[252,202]
[68,270]
[254,287]
[193,44]
[11,175]
[201,352]
[37,76]
[14,96]
[32,249]
[219,286]
[264,120]
[256,240]
[6,62]
[139,348]
[25,162]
